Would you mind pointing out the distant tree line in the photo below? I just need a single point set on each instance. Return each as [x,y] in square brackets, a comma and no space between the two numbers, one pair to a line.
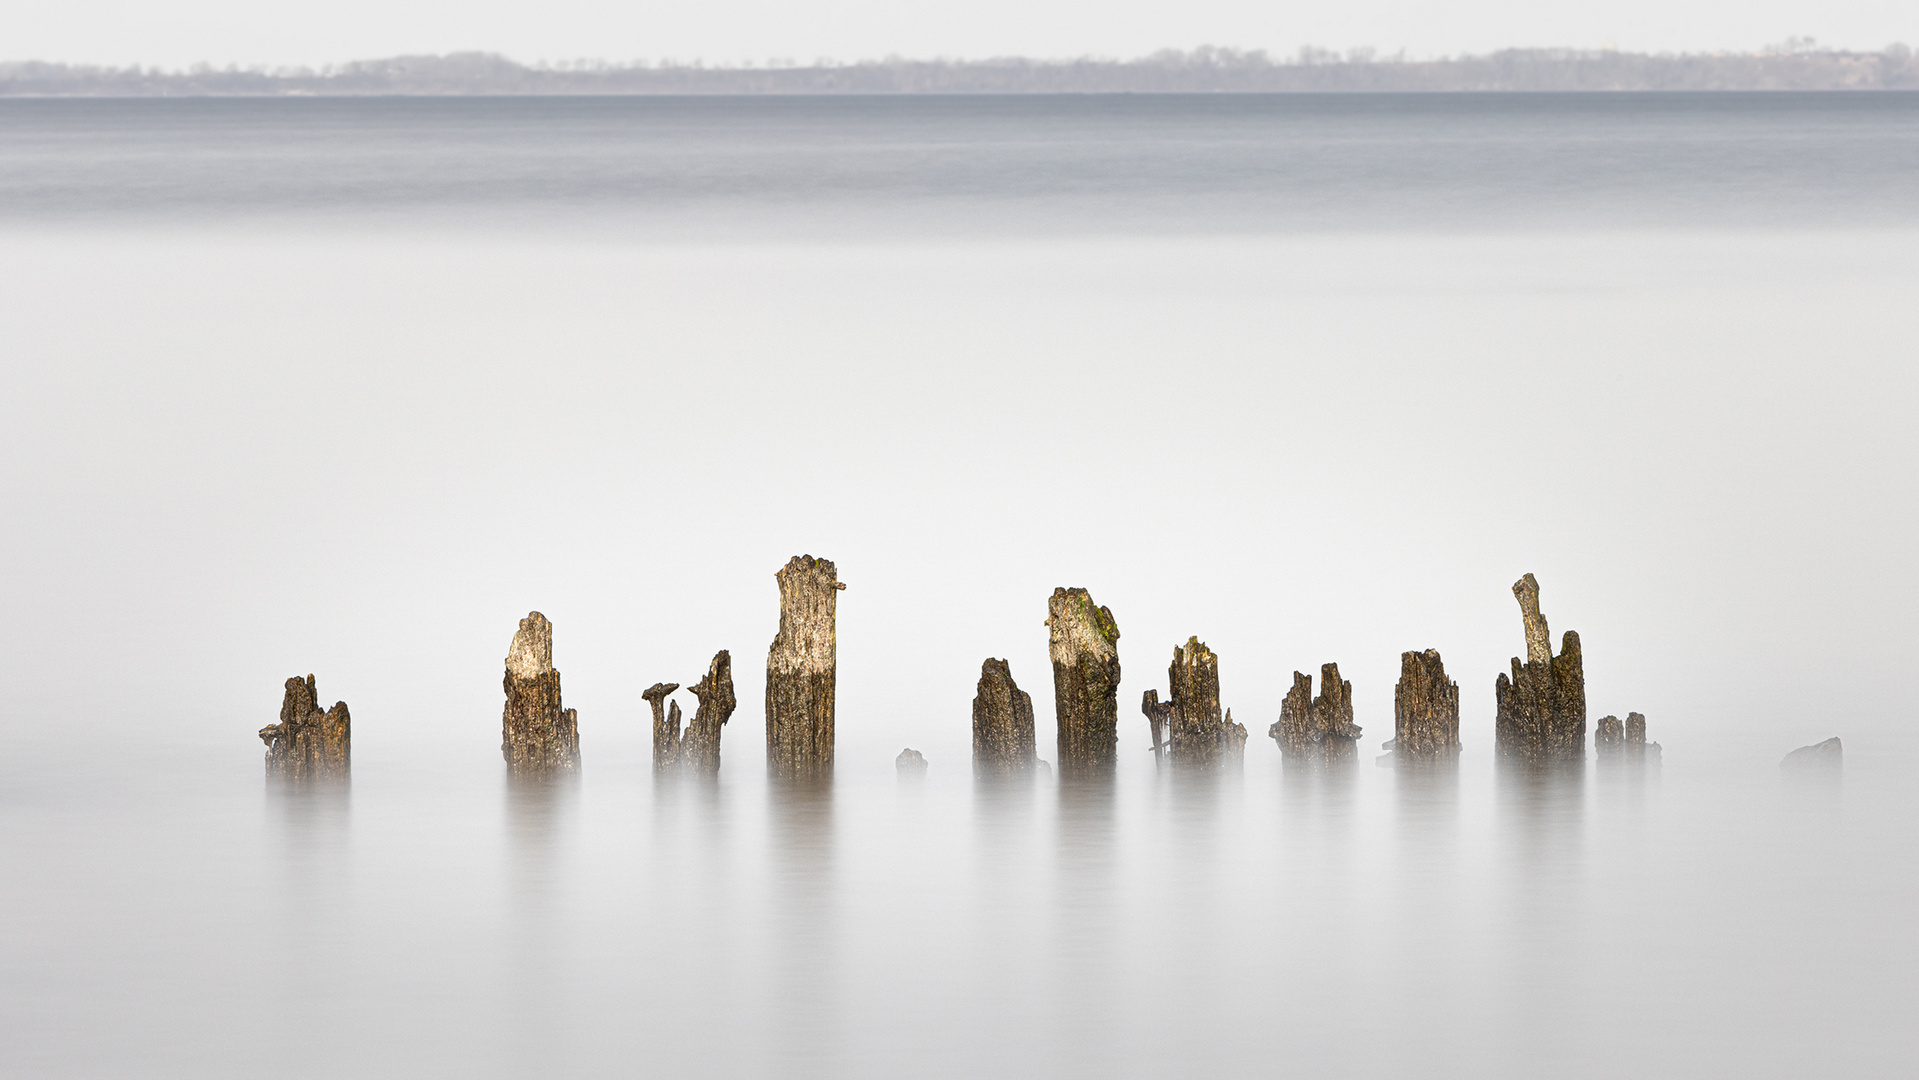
[1797,65]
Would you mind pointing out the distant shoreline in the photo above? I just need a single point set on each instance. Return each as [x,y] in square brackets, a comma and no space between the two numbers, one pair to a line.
[1201,71]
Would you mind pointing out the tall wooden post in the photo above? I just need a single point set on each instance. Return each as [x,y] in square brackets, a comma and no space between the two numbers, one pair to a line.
[539,737]
[800,668]
[1542,708]
[1084,642]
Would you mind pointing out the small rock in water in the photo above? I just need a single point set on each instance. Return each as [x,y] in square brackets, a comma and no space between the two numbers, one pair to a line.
[1045,767]
[910,763]
[1820,756]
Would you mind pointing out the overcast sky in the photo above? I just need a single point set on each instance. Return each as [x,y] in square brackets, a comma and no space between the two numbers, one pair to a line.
[179,32]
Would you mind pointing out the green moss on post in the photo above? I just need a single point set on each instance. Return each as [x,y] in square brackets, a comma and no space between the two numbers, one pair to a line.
[1084,643]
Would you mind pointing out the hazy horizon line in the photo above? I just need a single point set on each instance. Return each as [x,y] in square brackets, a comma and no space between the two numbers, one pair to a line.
[1795,64]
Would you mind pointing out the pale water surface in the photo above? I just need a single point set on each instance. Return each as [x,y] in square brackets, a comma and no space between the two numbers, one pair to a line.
[348,387]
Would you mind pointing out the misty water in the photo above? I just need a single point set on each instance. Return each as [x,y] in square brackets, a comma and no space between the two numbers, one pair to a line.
[349,387]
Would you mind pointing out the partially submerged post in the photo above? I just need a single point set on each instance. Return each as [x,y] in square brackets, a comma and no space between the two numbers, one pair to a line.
[1084,642]
[1637,748]
[1616,742]
[700,747]
[1003,739]
[1317,732]
[800,669]
[1159,716]
[538,736]
[666,725]
[309,743]
[1425,711]
[1201,738]
[1609,738]
[1542,707]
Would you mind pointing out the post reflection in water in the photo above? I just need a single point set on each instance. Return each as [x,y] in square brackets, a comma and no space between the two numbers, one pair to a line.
[540,818]
[1541,906]
[1088,928]
[312,829]
[803,930]
[1318,793]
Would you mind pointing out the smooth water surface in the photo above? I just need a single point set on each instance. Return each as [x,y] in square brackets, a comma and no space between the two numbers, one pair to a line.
[349,387]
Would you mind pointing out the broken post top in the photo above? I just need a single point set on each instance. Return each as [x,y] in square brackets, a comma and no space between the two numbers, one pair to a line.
[716,689]
[301,699]
[1539,640]
[1334,705]
[1194,654]
[809,594]
[531,654]
[657,693]
[1193,682]
[1079,628]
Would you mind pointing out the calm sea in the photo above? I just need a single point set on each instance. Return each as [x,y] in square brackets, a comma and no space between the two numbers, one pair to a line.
[349,386]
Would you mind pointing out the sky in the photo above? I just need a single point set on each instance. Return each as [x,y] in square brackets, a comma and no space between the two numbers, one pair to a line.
[307,32]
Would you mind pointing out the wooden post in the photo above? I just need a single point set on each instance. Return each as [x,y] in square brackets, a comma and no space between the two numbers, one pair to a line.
[1609,737]
[538,736]
[1201,737]
[700,748]
[1542,708]
[1159,716]
[1637,748]
[666,726]
[800,670]
[1425,711]
[309,743]
[1003,740]
[1318,732]
[1084,642]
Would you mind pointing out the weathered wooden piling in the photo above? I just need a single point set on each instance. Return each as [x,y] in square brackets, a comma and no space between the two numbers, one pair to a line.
[1084,642]
[697,749]
[666,725]
[539,737]
[1609,737]
[1425,711]
[1542,707]
[800,668]
[1200,737]
[1318,732]
[700,746]
[1003,740]
[1637,748]
[309,744]
[1616,742]
[1159,716]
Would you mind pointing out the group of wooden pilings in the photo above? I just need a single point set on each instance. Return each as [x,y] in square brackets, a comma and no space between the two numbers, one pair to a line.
[1541,708]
